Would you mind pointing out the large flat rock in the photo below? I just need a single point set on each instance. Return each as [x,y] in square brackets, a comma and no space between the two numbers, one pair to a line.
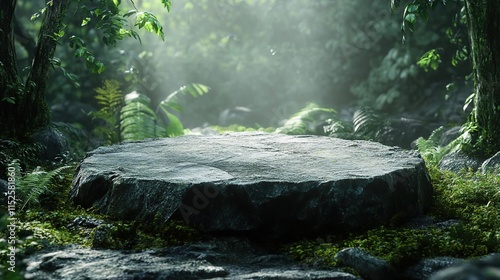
[269,184]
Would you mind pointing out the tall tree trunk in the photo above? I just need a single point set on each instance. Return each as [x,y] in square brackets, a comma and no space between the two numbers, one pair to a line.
[10,86]
[483,17]
[33,105]
[30,111]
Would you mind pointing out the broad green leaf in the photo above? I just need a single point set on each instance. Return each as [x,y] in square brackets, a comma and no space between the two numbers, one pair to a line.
[129,13]
[412,8]
[79,52]
[411,18]
[85,21]
[167,4]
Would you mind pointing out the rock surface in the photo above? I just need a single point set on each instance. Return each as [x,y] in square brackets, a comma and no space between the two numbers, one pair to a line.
[456,162]
[368,266]
[426,267]
[492,164]
[229,258]
[486,268]
[268,184]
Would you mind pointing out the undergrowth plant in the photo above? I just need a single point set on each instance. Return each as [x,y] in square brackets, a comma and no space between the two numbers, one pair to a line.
[31,185]
[471,199]
[316,120]
[131,117]
[139,121]
[110,98]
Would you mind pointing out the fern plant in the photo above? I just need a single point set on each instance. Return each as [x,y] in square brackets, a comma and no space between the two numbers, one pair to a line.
[138,121]
[430,150]
[110,98]
[309,120]
[30,186]
[324,121]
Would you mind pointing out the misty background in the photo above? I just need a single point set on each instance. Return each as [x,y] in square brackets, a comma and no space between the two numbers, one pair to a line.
[271,57]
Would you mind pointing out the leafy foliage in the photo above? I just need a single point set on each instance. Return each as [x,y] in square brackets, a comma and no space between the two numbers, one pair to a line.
[325,121]
[430,60]
[139,121]
[429,149]
[106,16]
[471,198]
[30,186]
[309,120]
[110,98]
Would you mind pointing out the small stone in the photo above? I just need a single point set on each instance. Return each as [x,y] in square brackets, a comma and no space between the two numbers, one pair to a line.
[456,162]
[492,164]
[426,267]
[368,266]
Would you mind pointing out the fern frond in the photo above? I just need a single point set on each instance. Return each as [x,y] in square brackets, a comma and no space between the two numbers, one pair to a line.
[366,123]
[308,120]
[109,96]
[430,150]
[30,186]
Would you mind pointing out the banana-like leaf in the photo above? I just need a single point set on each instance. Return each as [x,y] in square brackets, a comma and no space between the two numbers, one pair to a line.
[195,90]
[172,124]
[137,120]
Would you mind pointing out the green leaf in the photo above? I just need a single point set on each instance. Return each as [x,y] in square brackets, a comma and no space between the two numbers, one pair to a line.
[129,13]
[85,21]
[149,22]
[412,8]
[394,5]
[79,52]
[172,124]
[431,59]
[411,18]
[469,100]
[167,4]
[9,99]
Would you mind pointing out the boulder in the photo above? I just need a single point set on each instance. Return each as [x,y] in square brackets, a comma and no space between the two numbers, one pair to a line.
[457,161]
[486,268]
[368,266]
[449,135]
[53,144]
[492,164]
[255,183]
[426,267]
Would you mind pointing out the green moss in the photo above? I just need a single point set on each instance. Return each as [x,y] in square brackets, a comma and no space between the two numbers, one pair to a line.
[473,199]
[46,225]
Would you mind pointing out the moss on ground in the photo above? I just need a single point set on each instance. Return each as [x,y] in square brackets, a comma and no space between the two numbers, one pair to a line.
[50,224]
[471,198]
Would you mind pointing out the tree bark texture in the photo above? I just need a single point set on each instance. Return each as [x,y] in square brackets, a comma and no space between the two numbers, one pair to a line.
[483,17]
[10,86]
[30,111]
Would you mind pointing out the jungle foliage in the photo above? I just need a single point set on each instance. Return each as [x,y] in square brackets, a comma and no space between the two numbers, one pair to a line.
[470,199]
[23,106]
[132,117]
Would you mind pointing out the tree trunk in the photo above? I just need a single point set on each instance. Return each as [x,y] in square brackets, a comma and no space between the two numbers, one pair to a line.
[30,111]
[483,17]
[10,86]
